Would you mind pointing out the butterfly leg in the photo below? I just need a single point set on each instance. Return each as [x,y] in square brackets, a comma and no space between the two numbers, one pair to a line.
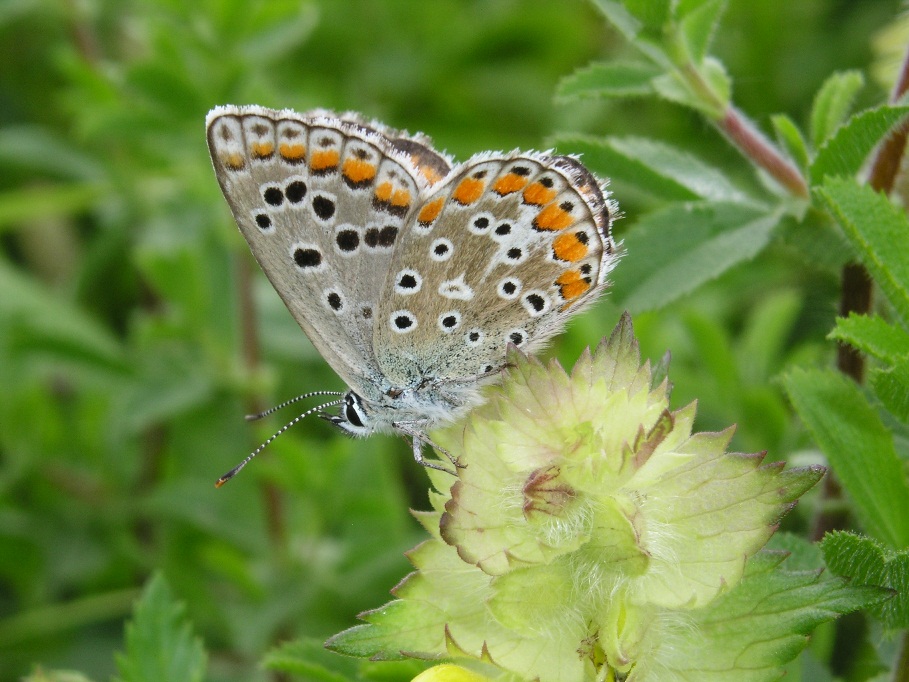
[418,439]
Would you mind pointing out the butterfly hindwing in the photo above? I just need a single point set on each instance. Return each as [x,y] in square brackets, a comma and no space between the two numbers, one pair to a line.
[503,251]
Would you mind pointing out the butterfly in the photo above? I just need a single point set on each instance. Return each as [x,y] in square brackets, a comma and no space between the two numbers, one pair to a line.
[409,273]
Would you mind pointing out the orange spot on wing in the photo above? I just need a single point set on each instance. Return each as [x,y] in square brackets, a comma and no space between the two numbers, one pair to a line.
[568,247]
[538,194]
[508,184]
[324,159]
[400,197]
[357,170]
[431,211]
[384,191]
[234,160]
[553,217]
[571,284]
[261,150]
[468,191]
[430,173]
[292,152]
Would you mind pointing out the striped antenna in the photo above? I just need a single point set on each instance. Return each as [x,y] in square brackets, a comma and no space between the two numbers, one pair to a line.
[260,415]
[236,470]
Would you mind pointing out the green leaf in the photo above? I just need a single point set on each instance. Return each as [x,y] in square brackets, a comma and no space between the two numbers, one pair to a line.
[859,447]
[396,627]
[879,232]
[832,103]
[673,251]
[20,207]
[873,336]
[40,321]
[169,381]
[699,25]
[846,151]
[610,158]
[310,659]
[160,644]
[35,148]
[651,13]
[47,622]
[644,37]
[891,386]
[653,167]
[287,30]
[817,241]
[762,623]
[673,87]
[866,562]
[790,137]
[612,79]
[620,17]
[715,73]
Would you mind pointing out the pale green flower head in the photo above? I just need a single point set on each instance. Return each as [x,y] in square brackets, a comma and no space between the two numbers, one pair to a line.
[589,531]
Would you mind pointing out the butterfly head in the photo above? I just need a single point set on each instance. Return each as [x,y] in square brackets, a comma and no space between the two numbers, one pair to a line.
[353,417]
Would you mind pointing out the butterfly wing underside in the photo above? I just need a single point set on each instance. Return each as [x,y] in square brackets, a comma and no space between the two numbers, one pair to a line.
[503,251]
[322,200]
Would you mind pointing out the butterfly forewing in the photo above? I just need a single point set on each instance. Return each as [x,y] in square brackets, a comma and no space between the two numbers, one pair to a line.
[322,202]
[503,251]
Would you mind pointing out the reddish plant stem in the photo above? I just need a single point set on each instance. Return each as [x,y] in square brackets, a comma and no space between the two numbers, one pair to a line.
[856,287]
[759,150]
[883,175]
[84,37]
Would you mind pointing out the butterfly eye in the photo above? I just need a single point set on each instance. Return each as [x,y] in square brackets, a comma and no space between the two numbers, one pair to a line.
[351,410]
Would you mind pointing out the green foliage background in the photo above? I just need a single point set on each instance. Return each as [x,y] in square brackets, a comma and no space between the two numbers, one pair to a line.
[126,290]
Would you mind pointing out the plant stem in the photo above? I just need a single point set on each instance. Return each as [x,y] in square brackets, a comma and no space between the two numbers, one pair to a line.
[736,127]
[84,37]
[901,670]
[754,146]
[856,287]
[855,297]
[886,162]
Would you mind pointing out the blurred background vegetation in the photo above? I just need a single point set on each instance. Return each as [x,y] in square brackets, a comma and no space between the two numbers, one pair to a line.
[135,333]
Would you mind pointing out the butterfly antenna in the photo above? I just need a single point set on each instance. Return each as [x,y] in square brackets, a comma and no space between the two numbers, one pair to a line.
[236,470]
[260,415]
